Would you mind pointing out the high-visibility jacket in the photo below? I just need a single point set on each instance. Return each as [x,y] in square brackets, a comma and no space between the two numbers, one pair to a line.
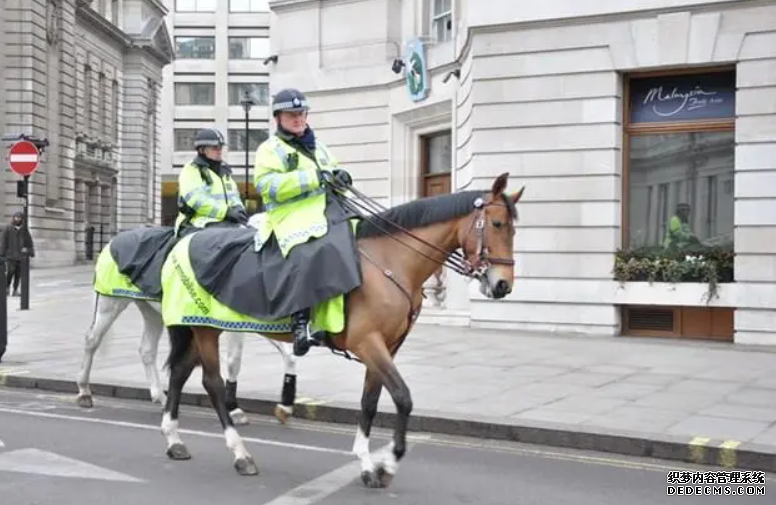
[204,196]
[678,235]
[291,190]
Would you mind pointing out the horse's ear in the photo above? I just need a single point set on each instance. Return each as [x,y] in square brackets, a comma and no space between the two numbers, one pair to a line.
[517,195]
[500,184]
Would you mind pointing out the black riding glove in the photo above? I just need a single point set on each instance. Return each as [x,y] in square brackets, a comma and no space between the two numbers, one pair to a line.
[342,178]
[237,214]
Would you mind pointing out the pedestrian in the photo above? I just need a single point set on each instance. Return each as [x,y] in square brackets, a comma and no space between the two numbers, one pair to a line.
[15,243]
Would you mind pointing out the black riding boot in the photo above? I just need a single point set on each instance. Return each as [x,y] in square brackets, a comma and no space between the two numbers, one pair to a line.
[301,328]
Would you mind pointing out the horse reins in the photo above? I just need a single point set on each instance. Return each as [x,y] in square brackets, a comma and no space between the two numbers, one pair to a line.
[455,261]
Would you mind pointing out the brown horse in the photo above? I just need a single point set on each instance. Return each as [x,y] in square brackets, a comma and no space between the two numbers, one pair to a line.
[403,247]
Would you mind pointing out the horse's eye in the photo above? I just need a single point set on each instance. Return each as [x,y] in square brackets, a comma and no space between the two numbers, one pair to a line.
[497,224]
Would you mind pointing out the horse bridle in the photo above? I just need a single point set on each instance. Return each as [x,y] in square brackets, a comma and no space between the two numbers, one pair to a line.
[483,259]
[456,261]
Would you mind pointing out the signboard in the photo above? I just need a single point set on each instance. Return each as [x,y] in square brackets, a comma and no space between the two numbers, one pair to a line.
[683,98]
[23,158]
[416,74]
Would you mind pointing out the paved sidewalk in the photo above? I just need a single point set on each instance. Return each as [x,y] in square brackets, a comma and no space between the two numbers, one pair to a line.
[674,399]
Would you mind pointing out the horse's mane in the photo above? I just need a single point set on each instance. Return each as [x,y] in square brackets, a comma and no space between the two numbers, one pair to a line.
[424,212]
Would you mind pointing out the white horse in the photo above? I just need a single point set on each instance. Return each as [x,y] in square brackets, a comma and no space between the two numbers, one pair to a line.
[108,308]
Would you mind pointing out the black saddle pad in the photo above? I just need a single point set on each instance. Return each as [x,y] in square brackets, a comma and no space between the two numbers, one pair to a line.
[267,286]
[140,253]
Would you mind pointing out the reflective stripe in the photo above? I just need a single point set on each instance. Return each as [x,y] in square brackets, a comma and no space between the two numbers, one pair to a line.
[304,182]
[191,199]
[274,187]
[274,205]
[282,154]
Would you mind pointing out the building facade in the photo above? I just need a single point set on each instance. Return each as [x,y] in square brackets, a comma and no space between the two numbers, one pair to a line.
[221,47]
[86,75]
[644,132]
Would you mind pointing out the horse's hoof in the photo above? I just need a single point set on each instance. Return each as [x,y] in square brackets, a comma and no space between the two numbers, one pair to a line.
[370,479]
[246,466]
[178,452]
[238,417]
[282,413]
[384,477]
[85,401]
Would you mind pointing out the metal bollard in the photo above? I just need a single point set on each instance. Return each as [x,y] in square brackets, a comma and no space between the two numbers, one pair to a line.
[3,309]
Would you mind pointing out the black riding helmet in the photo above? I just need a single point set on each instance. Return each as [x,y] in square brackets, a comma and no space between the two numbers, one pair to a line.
[289,100]
[208,137]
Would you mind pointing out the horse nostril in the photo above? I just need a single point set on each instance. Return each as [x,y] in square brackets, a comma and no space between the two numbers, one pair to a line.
[502,288]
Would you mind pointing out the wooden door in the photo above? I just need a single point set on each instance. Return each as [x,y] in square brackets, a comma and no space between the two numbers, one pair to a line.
[436,167]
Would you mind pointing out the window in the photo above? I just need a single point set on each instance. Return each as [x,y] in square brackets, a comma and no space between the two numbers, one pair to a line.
[114,12]
[184,138]
[681,148]
[87,99]
[195,93]
[442,20]
[678,197]
[259,92]
[115,107]
[203,48]
[249,5]
[195,5]
[436,162]
[237,139]
[681,189]
[248,48]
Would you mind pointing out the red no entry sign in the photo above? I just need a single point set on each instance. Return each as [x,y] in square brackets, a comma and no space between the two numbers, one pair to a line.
[23,158]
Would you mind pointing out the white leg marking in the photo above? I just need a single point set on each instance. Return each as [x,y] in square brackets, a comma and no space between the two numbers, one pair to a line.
[170,430]
[106,312]
[234,350]
[235,443]
[153,327]
[388,461]
[286,351]
[361,450]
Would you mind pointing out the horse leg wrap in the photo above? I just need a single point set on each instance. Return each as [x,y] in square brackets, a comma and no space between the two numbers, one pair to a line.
[289,390]
[231,395]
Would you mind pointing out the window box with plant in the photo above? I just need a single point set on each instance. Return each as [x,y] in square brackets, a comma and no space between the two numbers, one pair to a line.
[709,265]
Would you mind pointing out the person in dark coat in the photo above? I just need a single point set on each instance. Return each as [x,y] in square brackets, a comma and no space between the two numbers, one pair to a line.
[15,242]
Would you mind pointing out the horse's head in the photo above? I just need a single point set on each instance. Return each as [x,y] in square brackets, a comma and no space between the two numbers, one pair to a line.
[487,238]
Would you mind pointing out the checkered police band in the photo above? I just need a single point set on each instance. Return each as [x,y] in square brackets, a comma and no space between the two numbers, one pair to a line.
[294,104]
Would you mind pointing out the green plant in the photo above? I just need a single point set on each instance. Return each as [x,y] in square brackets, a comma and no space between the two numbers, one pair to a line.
[712,265]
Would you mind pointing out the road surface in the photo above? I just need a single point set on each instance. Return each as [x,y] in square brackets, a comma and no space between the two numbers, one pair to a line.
[52,453]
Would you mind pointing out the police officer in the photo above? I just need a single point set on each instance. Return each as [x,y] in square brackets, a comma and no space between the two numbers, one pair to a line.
[291,169]
[207,194]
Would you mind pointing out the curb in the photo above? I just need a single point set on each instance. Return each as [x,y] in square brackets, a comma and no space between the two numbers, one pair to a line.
[729,454]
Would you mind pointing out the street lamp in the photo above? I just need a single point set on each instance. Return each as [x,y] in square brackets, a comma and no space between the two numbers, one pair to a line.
[247,102]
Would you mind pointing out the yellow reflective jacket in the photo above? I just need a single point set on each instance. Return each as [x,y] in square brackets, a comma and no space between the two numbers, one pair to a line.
[203,195]
[291,191]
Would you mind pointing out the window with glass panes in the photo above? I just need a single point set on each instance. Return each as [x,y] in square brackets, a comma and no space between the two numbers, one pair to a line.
[259,92]
[248,48]
[201,48]
[248,5]
[195,93]
[442,20]
[195,5]
[255,135]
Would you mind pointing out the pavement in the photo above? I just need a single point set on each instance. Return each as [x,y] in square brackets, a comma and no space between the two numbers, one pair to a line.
[693,401]
[56,454]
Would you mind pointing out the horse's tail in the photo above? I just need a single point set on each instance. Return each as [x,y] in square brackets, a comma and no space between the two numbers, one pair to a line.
[181,341]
